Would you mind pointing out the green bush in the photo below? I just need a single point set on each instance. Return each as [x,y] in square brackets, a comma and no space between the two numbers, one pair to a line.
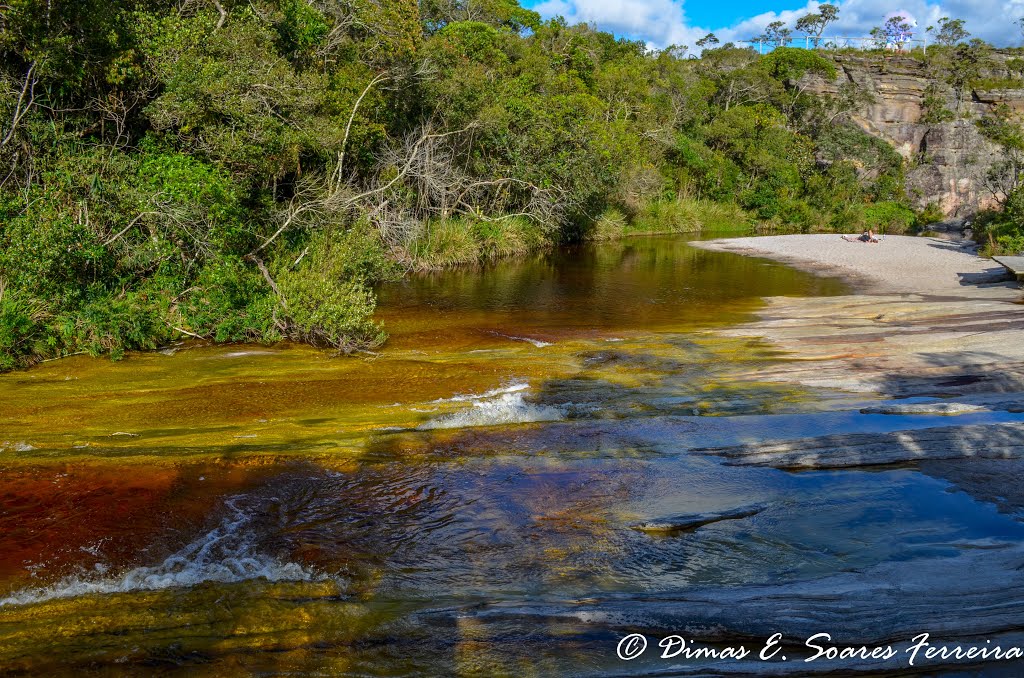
[229,301]
[889,217]
[1002,232]
[113,324]
[327,296]
[506,237]
[611,225]
[931,214]
[792,63]
[682,215]
[849,219]
[445,242]
[667,216]
[1010,243]
[20,331]
[331,312]
[722,217]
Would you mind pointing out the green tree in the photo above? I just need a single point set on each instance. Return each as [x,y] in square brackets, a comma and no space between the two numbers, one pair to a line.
[1003,128]
[248,170]
[506,14]
[814,24]
[709,40]
[964,65]
[951,32]
[776,34]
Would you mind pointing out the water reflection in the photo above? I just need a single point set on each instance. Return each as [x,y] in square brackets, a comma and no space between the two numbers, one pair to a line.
[635,285]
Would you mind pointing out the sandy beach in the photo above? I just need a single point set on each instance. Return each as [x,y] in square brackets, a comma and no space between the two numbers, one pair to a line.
[898,264]
[925,318]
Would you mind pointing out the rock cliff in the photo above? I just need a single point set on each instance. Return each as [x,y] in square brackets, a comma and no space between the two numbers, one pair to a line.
[947,162]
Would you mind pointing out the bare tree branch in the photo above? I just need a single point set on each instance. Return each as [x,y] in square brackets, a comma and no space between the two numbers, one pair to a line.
[270,280]
[22,107]
[129,227]
[348,126]
[223,14]
[336,201]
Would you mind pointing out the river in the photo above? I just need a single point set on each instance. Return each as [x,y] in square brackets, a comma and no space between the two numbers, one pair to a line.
[506,488]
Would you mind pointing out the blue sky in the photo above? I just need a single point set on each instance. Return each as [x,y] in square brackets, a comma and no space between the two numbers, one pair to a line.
[665,22]
[729,13]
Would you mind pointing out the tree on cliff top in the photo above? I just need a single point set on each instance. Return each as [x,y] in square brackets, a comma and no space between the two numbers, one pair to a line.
[776,33]
[965,65]
[508,14]
[709,40]
[951,31]
[815,24]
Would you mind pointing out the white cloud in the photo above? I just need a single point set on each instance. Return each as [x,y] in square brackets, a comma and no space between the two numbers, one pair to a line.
[664,22]
[659,22]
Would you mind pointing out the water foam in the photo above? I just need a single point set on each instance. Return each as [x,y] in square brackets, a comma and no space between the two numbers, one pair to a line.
[529,340]
[514,387]
[225,554]
[505,405]
[20,446]
[536,342]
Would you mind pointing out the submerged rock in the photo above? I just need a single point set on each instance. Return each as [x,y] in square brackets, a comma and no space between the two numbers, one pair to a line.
[890,603]
[985,441]
[945,409]
[674,525]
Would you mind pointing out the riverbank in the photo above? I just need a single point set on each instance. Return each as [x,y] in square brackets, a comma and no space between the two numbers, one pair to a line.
[898,264]
[927,320]
[929,328]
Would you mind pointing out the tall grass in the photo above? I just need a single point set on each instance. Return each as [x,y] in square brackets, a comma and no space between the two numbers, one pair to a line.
[682,215]
[445,243]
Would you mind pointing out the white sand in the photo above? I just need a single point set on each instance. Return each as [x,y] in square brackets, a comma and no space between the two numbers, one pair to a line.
[925,318]
[899,264]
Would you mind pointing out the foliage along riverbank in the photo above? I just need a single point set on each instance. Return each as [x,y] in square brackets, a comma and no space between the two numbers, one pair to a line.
[247,171]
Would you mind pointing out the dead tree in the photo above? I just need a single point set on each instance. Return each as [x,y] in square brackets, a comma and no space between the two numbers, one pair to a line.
[25,97]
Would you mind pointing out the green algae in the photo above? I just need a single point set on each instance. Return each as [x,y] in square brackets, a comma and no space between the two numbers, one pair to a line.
[460,333]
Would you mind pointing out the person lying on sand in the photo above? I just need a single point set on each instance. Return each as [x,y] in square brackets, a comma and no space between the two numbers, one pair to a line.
[866,236]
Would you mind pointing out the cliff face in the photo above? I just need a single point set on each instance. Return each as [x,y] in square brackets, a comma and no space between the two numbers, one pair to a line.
[947,162]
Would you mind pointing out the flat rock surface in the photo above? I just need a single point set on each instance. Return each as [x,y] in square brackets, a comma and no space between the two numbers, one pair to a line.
[927,320]
[1014,264]
[980,441]
[888,603]
[944,409]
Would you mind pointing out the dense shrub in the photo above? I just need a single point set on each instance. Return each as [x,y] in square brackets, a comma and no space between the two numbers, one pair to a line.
[889,217]
[1002,231]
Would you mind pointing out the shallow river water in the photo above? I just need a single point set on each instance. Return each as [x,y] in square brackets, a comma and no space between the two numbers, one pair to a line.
[464,502]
